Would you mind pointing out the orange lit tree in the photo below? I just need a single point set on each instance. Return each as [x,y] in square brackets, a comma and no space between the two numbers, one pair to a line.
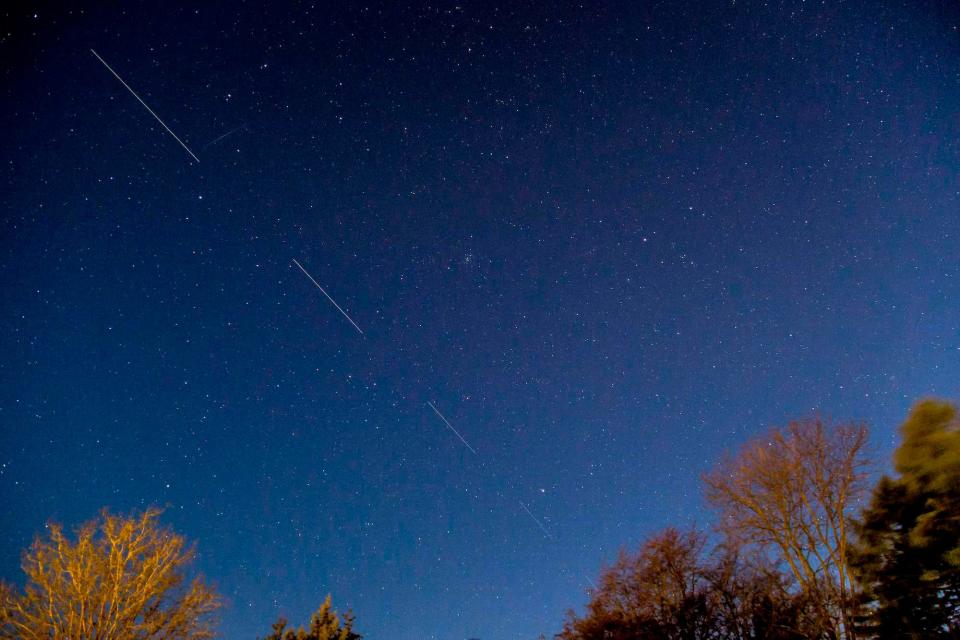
[122,578]
[792,493]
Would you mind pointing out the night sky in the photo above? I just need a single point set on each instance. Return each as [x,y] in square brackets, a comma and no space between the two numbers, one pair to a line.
[606,241]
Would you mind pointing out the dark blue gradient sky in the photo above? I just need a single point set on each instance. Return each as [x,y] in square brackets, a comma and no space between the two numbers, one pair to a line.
[607,241]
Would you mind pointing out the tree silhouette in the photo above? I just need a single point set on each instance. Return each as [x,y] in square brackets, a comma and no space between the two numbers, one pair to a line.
[325,624]
[908,551]
[671,590]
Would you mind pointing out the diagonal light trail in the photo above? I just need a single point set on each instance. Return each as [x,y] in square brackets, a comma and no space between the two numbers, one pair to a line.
[219,138]
[534,518]
[482,464]
[334,302]
[450,426]
[134,93]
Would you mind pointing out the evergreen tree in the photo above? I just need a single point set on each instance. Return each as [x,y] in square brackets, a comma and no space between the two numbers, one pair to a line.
[325,624]
[907,555]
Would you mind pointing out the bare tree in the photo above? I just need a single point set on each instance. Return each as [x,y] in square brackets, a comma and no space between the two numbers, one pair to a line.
[660,592]
[792,491]
[122,579]
[672,589]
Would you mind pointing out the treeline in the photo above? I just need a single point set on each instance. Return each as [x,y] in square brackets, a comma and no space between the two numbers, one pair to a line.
[803,547]
[126,578]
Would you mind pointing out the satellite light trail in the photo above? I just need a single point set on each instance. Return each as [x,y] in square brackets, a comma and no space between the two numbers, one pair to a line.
[483,465]
[334,302]
[450,426]
[221,137]
[534,518]
[134,93]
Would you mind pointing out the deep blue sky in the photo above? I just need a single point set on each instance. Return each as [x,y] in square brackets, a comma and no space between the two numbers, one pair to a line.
[608,241]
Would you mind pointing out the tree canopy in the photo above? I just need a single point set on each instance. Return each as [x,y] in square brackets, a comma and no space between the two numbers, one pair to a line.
[908,551]
[325,624]
[122,578]
[791,492]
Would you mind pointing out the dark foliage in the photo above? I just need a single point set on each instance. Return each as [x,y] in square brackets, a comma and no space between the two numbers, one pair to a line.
[670,590]
[908,552]
[325,624]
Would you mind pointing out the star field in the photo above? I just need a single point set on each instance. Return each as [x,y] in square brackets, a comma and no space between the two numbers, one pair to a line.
[607,241]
